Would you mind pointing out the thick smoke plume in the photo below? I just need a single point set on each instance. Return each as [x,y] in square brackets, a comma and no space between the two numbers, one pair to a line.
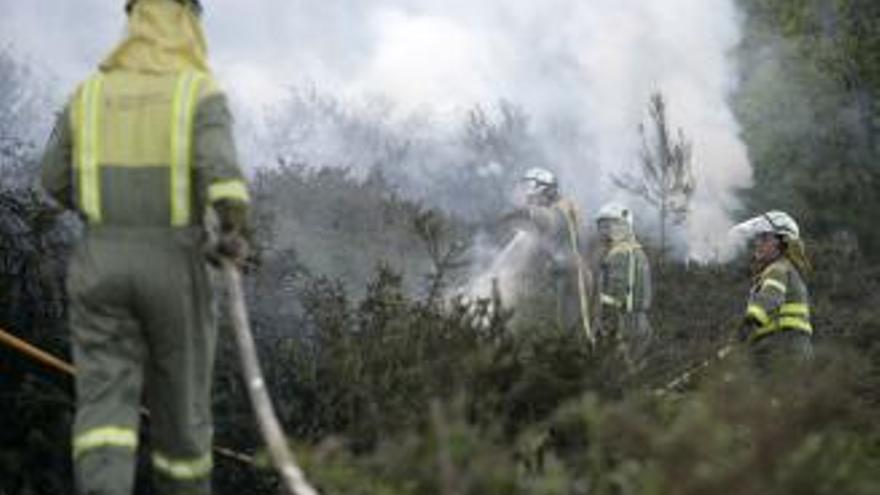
[403,76]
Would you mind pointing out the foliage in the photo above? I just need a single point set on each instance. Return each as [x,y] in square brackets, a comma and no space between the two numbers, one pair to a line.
[808,106]
[394,393]
[386,387]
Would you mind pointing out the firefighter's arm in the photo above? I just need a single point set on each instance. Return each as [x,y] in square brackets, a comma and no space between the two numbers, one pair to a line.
[766,299]
[220,178]
[527,218]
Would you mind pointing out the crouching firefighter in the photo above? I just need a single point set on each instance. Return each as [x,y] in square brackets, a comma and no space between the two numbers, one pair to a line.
[624,285]
[143,149]
[777,320]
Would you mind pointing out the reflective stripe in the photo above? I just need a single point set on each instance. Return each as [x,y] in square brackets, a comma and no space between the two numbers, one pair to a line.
[183,113]
[774,284]
[107,436]
[88,149]
[758,313]
[784,323]
[794,309]
[787,322]
[180,469]
[228,189]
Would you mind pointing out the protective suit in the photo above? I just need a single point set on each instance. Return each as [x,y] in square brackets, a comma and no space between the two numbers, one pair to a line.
[624,286]
[777,321]
[557,222]
[143,149]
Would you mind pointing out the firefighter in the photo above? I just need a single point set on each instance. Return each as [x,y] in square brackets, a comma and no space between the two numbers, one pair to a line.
[624,285]
[777,320]
[557,222]
[142,151]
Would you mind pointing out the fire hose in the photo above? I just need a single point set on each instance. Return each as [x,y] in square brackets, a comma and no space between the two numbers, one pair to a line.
[270,428]
[273,434]
[688,374]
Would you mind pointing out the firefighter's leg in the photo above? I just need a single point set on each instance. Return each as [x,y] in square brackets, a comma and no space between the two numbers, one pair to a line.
[108,352]
[639,336]
[624,339]
[182,339]
[802,347]
[782,351]
[568,304]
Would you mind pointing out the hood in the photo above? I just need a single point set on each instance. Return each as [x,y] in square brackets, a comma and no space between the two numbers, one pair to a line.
[162,37]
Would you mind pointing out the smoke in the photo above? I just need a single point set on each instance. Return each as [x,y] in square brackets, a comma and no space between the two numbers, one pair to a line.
[501,269]
[404,73]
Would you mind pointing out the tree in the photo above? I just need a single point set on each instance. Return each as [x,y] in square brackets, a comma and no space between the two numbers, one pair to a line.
[666,178]
[808,102]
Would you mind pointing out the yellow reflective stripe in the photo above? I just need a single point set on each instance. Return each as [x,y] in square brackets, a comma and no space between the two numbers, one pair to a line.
[183,112]
[107,436]
[606,299]
[774,284]
[88,147]
[795,309]
[788,322]
[184,469]
[228,189]
[785,323]
[758,313]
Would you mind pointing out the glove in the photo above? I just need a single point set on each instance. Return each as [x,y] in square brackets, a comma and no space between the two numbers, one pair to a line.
[229,246]
[233,246]
[231,239]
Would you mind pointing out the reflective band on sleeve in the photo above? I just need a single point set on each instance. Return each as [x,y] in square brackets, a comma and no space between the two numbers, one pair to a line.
[184,469]
[88,149]
[228,189]
[774,284]
[107,436]
[758,313]
[182,115]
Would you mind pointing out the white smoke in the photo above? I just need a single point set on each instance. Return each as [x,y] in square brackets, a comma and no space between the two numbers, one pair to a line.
[582,70]
[501,269]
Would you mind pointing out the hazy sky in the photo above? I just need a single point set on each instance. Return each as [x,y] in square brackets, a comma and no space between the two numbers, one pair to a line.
[587,65]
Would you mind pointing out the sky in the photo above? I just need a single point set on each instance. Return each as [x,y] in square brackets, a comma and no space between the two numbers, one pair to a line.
[582,69]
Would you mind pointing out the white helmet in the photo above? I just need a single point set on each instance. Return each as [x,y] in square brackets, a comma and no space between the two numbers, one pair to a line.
[541,182]
[775,221]
[615,211]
